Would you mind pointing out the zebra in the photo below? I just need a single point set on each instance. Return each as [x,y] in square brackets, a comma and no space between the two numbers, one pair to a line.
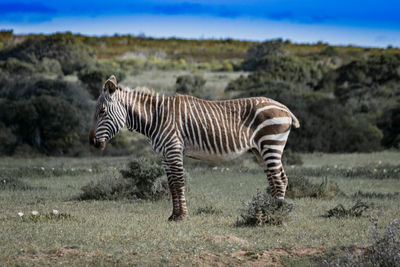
[182,125]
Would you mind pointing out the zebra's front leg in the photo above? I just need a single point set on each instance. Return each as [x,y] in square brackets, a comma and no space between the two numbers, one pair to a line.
[176,183]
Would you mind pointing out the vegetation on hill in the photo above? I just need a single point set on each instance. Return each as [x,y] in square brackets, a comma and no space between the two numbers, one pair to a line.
[347,98]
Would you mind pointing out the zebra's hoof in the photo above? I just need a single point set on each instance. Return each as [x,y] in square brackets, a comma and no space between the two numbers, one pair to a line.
[176,218]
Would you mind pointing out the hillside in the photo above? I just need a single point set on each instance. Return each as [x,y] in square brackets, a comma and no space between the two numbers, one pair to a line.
[347,98]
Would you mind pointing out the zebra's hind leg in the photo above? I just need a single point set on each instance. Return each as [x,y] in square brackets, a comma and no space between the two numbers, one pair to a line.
[174,168]
[273,168]
[261,162]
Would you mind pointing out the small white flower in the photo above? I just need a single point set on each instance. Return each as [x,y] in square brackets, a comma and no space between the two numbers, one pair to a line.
[20,213]
[90,170]
[55,212]
[42,168]
[35,212]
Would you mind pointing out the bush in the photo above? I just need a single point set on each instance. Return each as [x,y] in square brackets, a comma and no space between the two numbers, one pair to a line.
[340,211]
[7,140]
[361,194]
[69,51]
[95,76]
[208,210]
[47,217]
[141,180]
[190,85]
[52,126]
[109,188]
[389,123]
[144,175]
[384,251]
[291,158]
[52,116]
[368,172]
[257,52]
[299,187]
[264,209]
[8,183]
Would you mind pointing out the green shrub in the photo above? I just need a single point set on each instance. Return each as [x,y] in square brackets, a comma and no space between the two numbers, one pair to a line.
[256,52]
[8,183]
[144,175]
[70,52]
[389,123]
[340,211]
[264,209]
[330,51]
[7,140]
[208,210]
[47,217]
[142,179]
[52,116]
[299,187]
[369,172]
[384,251]
[378,195]
[95,76]
[41,172]
[291,158]
[109,188]
[190,85]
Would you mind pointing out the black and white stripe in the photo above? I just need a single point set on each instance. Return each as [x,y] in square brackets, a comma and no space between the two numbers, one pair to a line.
[182,125]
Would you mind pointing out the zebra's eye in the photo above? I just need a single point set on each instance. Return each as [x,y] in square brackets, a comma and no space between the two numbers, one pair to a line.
[102,111]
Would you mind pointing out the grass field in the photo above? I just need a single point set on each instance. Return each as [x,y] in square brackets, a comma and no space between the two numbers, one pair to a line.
[137,232]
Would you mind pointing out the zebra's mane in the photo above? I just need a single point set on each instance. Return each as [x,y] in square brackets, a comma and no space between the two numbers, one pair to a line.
[141,90]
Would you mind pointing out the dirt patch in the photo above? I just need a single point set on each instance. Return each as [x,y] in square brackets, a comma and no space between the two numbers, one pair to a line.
[273,257]
[252,258]
[210,259]
[229,239]
[61,255]
[259,258]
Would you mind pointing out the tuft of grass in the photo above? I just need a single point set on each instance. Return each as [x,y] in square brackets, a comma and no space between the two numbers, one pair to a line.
[292,158]
[142,179]
[378,195]
[368,172]
[208,210]
[109,188]
[47,217]
[264,209]
[41,172]
[340,211]
[299,187]
[302,187]
[8,183]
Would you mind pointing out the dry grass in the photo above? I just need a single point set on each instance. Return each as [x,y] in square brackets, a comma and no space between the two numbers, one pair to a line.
[130,232]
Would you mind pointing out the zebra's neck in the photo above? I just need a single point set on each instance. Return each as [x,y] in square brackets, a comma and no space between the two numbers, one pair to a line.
[145,111]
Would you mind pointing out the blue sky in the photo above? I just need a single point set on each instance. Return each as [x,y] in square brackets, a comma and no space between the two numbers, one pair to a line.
[365,23]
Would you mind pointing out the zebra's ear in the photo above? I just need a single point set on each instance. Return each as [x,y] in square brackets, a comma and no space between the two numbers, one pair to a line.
[111,84]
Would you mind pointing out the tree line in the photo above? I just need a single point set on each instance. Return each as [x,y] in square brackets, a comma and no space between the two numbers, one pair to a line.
[346,102]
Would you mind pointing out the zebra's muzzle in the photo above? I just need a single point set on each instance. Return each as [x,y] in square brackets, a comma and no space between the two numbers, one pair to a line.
[97,144]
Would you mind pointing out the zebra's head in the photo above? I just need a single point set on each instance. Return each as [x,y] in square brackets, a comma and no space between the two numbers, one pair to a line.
[110,115]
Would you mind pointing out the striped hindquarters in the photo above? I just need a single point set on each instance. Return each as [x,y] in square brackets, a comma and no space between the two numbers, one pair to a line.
[226,129]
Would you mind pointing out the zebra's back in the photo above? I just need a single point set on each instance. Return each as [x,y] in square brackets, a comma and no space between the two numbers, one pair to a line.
[222,130]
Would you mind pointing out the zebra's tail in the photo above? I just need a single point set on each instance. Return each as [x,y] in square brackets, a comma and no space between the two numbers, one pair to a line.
[295,121]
